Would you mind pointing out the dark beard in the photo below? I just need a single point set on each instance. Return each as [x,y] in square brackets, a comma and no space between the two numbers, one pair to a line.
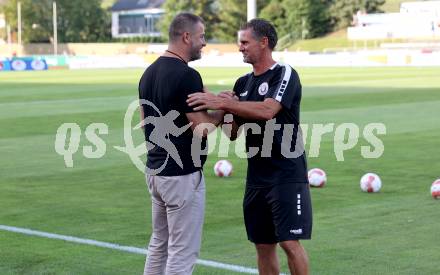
[194,55]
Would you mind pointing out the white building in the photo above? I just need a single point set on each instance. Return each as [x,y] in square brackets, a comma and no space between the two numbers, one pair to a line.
[421,7]
[134,18]
[415,20]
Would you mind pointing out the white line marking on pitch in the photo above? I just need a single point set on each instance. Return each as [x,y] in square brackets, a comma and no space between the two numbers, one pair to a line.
[131,249]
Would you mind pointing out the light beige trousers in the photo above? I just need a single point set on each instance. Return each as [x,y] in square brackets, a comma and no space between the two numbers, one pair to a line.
[178,208]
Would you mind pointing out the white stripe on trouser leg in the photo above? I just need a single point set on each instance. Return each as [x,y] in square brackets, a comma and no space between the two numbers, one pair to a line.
[298,204]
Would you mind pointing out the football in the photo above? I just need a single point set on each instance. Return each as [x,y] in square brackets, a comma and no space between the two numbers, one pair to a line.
[371,183]
[317,177]
[223,168]
[435,189]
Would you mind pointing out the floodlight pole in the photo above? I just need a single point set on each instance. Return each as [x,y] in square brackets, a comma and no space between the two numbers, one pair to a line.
[19,22]
[55,35]
[251,9]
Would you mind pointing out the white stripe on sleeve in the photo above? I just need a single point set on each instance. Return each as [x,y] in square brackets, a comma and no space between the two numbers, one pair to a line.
[283,85]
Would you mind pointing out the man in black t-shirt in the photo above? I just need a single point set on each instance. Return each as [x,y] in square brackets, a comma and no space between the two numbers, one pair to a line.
[174,178]
[277,204]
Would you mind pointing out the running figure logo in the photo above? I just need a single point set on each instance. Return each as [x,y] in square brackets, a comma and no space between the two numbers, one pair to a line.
[164,126]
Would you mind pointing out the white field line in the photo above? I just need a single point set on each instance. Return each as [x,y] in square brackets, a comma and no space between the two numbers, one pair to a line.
[130,249]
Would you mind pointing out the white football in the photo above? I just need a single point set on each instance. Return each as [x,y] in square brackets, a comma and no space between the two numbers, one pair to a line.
[435,189]
[317,177]
[223,168]
[370,183]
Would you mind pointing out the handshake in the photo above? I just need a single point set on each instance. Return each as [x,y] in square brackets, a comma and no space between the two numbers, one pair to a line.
[208,101]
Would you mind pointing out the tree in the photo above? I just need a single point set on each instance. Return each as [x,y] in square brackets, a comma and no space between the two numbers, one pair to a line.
[77,21]
[276,13]
[207,9]
[223,18]
[232,14]
[307,18]
[30,24]
[373,6]
[83,21]
[320,21]
[342,11]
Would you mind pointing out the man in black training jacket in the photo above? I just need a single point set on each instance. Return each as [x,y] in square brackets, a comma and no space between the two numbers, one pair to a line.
[277,204]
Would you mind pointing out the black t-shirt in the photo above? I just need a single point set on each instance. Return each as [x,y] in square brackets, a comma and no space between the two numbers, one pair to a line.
[284,161]
[167,83]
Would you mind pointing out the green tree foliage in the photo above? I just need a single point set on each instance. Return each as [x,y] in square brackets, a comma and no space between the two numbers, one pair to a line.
[275,13]
[342,11]
[231,16]
[83,21]
[86,21]
[307,18]
[77,21]
[295,19]
[207,9]
[27,19]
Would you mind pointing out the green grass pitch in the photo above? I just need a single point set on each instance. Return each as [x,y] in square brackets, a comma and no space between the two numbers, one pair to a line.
[395,231]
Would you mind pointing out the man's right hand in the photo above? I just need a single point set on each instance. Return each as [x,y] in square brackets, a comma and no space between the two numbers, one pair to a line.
[228,95]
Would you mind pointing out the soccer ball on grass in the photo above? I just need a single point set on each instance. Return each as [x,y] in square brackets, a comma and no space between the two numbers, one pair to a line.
[317,177]
[371,183]
[435,189]
[223,168]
